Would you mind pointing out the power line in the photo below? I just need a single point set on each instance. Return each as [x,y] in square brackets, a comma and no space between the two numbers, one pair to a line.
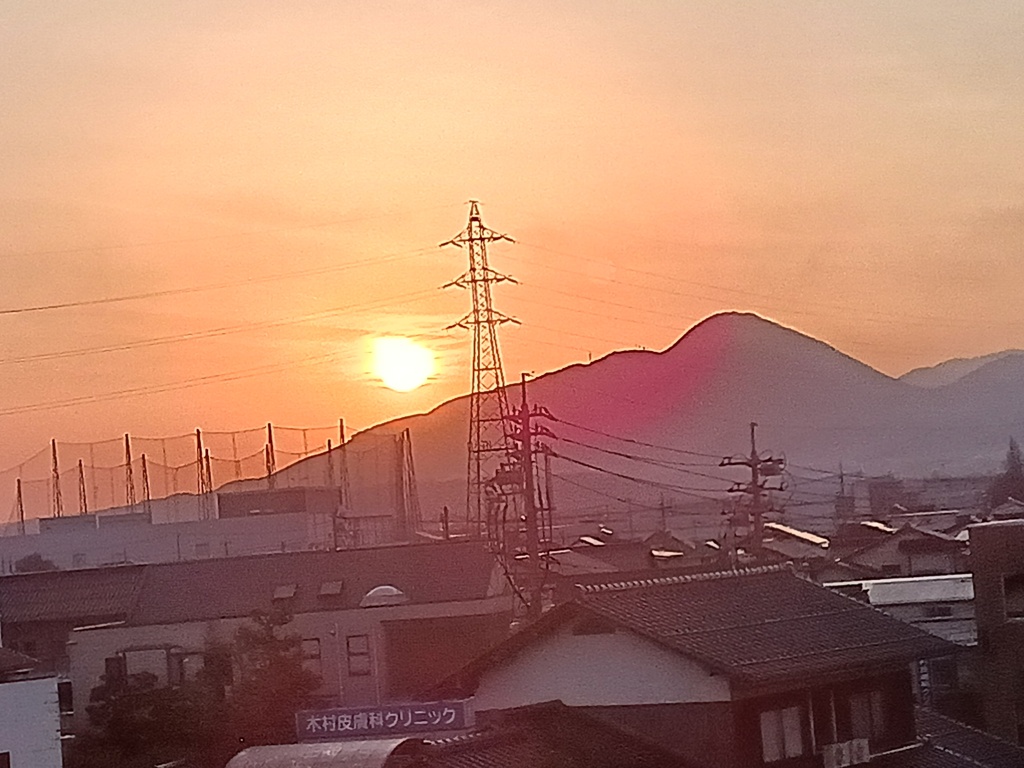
[694,492]
[638,442]
[204,288]
[168,387]
[225,236]
[211,333]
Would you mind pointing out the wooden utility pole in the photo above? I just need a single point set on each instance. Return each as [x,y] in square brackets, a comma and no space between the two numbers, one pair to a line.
[761,468]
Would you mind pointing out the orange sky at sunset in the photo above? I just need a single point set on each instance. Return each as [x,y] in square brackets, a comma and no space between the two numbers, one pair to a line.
[850,169]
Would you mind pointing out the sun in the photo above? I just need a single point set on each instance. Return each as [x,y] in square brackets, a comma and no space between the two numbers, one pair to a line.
[401,363]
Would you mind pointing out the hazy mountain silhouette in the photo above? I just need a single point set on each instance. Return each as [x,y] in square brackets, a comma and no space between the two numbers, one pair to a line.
[952,370]
[813,403]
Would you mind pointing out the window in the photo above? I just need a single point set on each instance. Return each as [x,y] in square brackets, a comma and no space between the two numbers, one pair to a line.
[175,668]
[311,656]
[217,668]
[115,670]
[781,734]
[938,611]
[5,760]
[1013,596]
[358,648]
[65,697]
[202,550]
[867,715]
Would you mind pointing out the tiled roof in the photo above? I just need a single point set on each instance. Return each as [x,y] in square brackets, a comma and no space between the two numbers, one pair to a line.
[12,661]
[549,735]
[761,626]
[86,596]
[201,590]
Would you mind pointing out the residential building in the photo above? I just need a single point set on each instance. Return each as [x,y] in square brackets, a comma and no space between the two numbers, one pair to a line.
[997,563]
[376,624]
[725,670]
[29,717]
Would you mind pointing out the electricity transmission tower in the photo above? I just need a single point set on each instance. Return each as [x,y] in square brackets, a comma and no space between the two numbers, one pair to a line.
[491,449]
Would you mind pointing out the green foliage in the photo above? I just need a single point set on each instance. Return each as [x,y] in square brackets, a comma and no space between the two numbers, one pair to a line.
[33,564]
[1010,484]
[205,721]
[271,683]
[137,723]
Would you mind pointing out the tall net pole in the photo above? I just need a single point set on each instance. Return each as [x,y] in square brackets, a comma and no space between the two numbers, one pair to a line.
[490,445]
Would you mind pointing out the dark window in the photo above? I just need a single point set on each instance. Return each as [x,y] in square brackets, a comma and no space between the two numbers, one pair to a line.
[1013,596]
[868,716]
[824,717]
[217,668]
[938,611]
[175,668]
[358,648]
[311,656]
[5,760]
[115,670]
[65,697]
[782,734]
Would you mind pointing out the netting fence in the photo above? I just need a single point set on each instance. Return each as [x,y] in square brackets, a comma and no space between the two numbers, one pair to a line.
[95,476]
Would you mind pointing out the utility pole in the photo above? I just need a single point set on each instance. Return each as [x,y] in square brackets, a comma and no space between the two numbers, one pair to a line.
[524,434]
[58,503]
[147,496]
[129,477]
[83,498]
[490,443]
[21,508]
[761,468]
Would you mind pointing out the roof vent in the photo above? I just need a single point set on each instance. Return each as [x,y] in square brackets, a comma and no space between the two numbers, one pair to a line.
[331,588]
[385,594]
[284,591]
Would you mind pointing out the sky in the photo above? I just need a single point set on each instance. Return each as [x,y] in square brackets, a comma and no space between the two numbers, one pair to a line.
[265,185]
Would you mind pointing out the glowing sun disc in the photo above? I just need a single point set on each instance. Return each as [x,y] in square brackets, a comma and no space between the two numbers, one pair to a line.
[401,363]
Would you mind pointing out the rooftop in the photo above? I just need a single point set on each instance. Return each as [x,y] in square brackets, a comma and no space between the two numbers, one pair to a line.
[200,590]
[759,627]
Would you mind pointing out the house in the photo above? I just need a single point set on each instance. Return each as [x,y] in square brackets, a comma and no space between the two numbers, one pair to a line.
[547,735]
[997,563]
[29,717]
[725,670]
[944,606]
[376,624]
[911,551]
[38,611]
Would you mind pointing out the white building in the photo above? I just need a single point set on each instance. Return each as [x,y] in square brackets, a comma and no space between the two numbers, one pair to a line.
[29,716]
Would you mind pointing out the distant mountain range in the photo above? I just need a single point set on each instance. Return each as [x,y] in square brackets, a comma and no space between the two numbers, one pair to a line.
[818,406]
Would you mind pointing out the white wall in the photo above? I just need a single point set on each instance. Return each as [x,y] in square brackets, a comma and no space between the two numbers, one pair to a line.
[30,723]
[597,670]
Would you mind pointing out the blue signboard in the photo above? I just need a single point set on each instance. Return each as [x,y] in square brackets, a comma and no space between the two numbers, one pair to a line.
[395,719]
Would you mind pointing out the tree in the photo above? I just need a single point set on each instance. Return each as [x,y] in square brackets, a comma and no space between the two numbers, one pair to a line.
[33,563]
[1009,484]
[138,723]
[271,682]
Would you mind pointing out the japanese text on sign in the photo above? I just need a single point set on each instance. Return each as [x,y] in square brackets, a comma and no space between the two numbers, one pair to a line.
[333,724]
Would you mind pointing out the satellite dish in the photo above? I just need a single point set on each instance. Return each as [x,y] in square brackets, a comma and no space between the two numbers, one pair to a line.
[385,594]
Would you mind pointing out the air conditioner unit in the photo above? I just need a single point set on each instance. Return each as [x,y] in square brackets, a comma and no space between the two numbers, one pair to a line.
[836,755]
[859,751]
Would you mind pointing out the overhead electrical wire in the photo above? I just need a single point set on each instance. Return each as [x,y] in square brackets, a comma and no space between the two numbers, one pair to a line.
[205,288]
[214,332]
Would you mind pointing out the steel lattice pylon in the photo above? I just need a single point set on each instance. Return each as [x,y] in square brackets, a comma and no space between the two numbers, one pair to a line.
[491,477]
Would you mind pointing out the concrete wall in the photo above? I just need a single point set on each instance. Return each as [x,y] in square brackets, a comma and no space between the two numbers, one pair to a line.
[597,670]
[89,648]
[30,723]
[997,551]
[90,541]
